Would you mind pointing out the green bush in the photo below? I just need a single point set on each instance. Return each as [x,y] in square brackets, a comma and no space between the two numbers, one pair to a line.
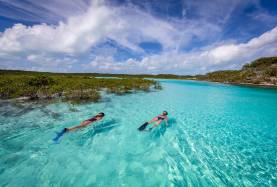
[261,63]
[256,72]
[272,72]
[70,86]
[40,81]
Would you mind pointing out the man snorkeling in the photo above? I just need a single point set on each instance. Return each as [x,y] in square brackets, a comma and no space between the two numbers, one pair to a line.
[158,119]
[85,123]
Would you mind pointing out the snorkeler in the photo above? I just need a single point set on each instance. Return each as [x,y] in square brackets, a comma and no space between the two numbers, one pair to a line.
[82,125]
[85,123]
[158,119]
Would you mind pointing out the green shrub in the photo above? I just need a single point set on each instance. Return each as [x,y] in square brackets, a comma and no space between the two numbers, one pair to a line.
[71,86]
[40,81]
[272,72]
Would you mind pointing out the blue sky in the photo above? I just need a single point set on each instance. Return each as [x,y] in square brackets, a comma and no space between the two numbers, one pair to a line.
[135,36]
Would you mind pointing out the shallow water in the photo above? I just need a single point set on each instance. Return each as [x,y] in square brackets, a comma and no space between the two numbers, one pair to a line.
[219,135]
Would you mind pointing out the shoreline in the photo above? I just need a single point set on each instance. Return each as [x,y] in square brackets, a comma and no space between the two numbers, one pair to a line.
[229,83]
[71,87]
[246,84]
[255,85]
[62,97]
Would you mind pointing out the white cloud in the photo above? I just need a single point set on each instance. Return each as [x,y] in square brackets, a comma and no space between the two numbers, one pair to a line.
[68,44]
[224,56]
[78,34]
[42,11]
[128,26]
[216,10]
[244,51]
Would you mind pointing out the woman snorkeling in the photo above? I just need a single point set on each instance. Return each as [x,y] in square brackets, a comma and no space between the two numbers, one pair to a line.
[85,123]
[158,119]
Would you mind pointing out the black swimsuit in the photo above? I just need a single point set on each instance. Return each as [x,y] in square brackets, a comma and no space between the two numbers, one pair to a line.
[161,118]
[92,119]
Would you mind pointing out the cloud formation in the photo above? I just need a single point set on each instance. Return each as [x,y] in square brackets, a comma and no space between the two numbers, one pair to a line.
[75,35]
[49,11]
[71,44]
[224,56]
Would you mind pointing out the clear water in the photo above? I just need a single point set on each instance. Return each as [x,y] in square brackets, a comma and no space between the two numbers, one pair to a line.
[219,135]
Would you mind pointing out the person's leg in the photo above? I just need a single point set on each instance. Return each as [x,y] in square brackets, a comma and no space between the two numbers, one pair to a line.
[143,126]
[153,120]
[83,124]
[156,124]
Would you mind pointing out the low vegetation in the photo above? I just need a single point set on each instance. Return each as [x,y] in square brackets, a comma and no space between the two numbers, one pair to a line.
[86,86]
[262,71]
[73,87]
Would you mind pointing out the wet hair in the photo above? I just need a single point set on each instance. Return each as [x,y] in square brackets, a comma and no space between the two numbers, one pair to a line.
[101,114]
[166,113]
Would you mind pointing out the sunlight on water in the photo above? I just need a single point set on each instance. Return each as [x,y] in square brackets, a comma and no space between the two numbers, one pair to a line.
[219,135]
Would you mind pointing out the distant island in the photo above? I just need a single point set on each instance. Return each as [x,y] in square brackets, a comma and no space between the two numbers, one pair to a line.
[87,86]
[261,72]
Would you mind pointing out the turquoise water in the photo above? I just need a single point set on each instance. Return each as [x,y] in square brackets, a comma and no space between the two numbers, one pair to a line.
[219,135]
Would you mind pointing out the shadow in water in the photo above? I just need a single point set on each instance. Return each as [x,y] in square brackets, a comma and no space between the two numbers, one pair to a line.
[17,109]
[101,128]
[50,113]
[105,127]
[160,131]
[14,110]
[72,109]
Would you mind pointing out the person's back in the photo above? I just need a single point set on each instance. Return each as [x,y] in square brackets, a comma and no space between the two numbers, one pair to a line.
[87,122]
[81,125]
